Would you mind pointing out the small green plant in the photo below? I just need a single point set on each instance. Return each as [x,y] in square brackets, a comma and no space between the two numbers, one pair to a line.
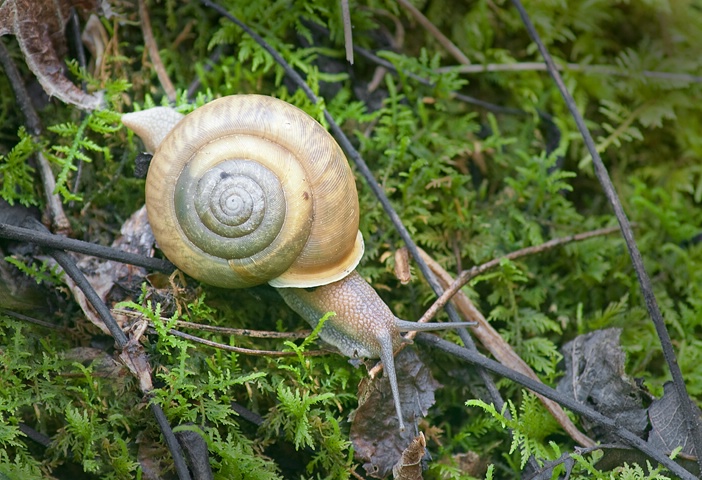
[17,175]
[45,272]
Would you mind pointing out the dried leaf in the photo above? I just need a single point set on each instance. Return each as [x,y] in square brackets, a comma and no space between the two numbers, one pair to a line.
[39,28]
[409,467]
[668,425]
[374,432]
[595,377]
[115,281]
[112,279]
[95,39]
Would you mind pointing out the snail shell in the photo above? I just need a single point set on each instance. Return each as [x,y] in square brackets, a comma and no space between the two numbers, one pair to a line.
[249,189]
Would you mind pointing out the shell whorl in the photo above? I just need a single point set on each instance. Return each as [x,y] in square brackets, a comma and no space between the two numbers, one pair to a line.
[249,189]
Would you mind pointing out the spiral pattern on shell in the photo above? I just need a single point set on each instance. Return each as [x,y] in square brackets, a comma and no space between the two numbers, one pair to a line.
[249,189]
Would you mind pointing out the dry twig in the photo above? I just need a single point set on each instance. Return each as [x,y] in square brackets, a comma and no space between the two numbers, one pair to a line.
[151,46]
[436,33]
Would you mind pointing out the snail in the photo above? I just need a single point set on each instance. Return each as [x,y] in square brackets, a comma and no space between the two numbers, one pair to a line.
[249,189]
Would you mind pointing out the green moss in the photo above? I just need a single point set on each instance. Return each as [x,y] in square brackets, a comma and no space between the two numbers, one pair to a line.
[469,183]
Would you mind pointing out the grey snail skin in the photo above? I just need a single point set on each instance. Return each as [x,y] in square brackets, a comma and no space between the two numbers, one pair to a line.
[249,189]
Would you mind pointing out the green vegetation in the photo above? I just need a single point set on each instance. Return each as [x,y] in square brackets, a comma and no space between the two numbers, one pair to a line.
[470,185]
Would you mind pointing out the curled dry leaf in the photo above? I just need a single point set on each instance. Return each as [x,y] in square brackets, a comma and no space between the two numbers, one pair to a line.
[409,467]
[374,431]
[595,377]
[39,28]
[95,39]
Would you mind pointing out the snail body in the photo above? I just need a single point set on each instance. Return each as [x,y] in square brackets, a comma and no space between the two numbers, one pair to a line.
[249,189]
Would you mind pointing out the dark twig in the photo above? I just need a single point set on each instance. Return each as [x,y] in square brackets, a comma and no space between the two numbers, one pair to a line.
[69,266]
[576,67]
[689,410]
[28,319]
[568,402]
[48,240]
[171,441]
[247,414]
[31,119]
[214,58]
[38,437]
[74,29]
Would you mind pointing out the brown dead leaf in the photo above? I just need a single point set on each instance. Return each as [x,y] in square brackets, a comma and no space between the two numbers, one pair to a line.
[374,432]
[409,467]
[39,28]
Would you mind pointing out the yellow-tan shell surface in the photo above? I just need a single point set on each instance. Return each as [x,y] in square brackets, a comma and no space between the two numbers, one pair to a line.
[249,189]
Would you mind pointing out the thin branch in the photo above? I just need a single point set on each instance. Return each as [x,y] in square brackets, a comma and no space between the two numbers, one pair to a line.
[69,266]
[487,335]
[435,32]
[243,332]
[40,438]
[689,410]
[171,441]
[132,353]
[588,69]
[467,275]
[503,351]
[35,321]
[155,56]
[197,82]
[74,23]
